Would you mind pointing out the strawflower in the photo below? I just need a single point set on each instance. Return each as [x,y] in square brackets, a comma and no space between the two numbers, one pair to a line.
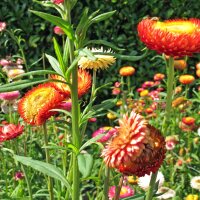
[143,182]
[136,149]
[2,26]
[188,120]
[195,182]
[101,62]
[127,71]
[186,79]
[9,95]
[57,30]
[18,176]
[147,84]
[180,64]
[168,193]
[126,191]
[111,116]
[15,72]
[158,77]
[177,37]
[198,72]
[58,1]
[35,107]
[4,62]
[133,180]
[192,197]
[8,106]
[116,91]
[107,130]
[10,131]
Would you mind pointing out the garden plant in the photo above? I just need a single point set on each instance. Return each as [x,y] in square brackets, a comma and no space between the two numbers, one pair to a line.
[83,120]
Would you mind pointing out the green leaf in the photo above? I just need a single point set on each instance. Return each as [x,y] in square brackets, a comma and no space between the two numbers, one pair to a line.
[64,25]
[59,55]
[45,168]
[105,105]
[88,53]
[55,64]
[91,141]
[85,163]
[105,43]
[103,16]
[136,197]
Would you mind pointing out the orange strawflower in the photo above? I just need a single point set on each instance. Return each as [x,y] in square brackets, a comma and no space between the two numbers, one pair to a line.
[188,120]
[198,72]
[35,107]
[137,149]
[144,93]
[158,77]
[186,79]
[198,66]
[84,83]
[127,71]
[180,64]
[177,37]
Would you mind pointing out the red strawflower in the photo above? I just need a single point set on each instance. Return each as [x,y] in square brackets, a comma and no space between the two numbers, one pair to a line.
[10,131]
[177,37]
[35,107]
[58,1]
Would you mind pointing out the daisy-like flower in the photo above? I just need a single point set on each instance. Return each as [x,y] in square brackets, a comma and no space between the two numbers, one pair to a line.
[126,191]
[180,64]
[84,83]
[168,193]
[10,131]
[188,120]
[177,37]
[144,181]
[101,62]
[137,148]
[107,130]
[35,107]
[158,77]
[195,182]
[9,95]
[127,71]
[192,197]
[186,79]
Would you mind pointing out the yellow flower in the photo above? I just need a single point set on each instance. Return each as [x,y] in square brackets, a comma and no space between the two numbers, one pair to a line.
[144,93]
[101,62]
[111,116]
[127,71]
[192,197]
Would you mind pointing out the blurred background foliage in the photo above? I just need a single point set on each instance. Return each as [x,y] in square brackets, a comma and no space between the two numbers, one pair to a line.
[121,30]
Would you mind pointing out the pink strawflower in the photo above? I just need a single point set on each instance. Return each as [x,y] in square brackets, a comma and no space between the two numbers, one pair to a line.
[19,61]
[92,119]
[158,77]
[58,1]
[171,142]
[117,84]
[18,176]
[9,95]
[126,191]
[10,131]
[107,130]
[2,26]
[116,91]
[4,62]
[15,72]
[140,90]
[57,30]
[147,84]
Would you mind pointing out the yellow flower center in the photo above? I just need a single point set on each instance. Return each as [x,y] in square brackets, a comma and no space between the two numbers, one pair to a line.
[123,191]
[176,27]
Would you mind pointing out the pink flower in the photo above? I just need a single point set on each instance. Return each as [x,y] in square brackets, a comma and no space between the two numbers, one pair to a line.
[18,176]
[15,72]
[9,95]
[19,61]
[10,131]
[140,90]
[65,105]
[126,191]
[2,26]
[171,142]
[92,119]
[58,1]
[116,91]
[107,130]
[57,30]
[117,84]
[4,62]
[147,84]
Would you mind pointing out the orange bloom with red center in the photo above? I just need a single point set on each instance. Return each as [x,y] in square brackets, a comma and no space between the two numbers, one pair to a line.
[84,83]
[158,77]
[35,107]
[137,149]
[180,64]
[188,120]
[178,37]
[10,131]
[127,71]
[186,79]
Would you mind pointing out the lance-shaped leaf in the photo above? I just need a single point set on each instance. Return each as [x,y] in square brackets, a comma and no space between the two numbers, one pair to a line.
[102,17]
[45,168]
[64,25]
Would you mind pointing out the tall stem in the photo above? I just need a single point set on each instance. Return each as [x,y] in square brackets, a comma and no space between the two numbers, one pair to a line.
[106,183]
[50,180]
[170,83]
[119,187]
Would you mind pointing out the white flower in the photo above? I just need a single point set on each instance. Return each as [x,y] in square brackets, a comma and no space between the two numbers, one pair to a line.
[168,193]
[195,182]
[144,181]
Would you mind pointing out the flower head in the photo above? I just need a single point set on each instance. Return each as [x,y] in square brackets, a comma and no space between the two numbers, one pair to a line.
[9,95]
[58,1]
[4,62]
[178,37]
[35,107]
[84,83]
[2,26]
[180,64]
[136,149]
[144,181]
[168,193]
[107,130]
[132,180]
[126,191]
[186,79]
[10,131]
[195,182]
[192,197]
[127,71]
[101,62]
[18,176]
[188,120]
[57,30]
[171,141]
[158,77]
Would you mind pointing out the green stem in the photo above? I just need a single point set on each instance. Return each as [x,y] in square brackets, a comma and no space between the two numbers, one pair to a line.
[118,188]
[50,180]
[150,191]
[106,183]
[28,183]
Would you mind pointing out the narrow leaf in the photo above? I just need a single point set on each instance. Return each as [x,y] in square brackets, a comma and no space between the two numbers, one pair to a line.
[103,16]
[45,168]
